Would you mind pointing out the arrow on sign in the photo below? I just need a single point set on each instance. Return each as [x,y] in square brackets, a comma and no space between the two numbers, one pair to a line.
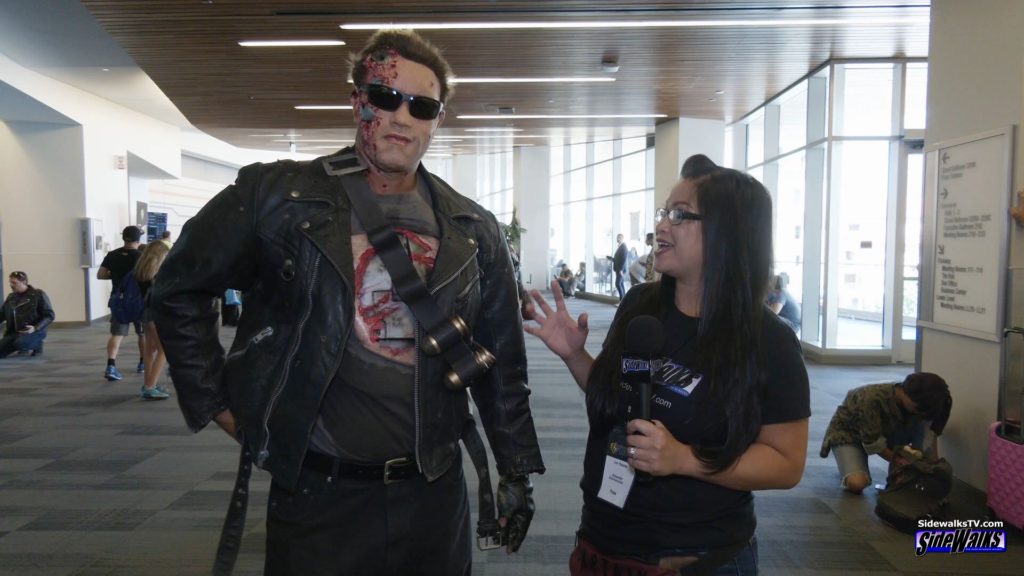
[945,157]
[942,249]
[945,193]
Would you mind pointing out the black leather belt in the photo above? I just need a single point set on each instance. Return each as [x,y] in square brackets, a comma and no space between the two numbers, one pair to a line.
[388,472]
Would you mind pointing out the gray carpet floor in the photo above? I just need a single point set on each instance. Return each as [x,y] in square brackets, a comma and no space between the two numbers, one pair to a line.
[95,481]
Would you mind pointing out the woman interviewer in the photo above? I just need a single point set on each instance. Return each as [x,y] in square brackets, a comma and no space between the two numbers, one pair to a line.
[730,403]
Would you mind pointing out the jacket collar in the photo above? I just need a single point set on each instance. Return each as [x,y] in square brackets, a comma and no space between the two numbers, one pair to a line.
[331,229]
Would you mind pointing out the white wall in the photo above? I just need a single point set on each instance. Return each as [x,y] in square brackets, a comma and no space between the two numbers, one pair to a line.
[40,204]
[532,181]
[79,172]
[976,62]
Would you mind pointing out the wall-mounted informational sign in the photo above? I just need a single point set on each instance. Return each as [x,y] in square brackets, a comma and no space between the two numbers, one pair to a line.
[90,242]
[967,191]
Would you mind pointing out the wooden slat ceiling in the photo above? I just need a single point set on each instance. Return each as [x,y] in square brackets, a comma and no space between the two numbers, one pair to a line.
[190,49]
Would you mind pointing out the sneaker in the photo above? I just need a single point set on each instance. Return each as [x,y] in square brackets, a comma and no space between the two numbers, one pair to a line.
[153,394]
[140,368]
[112,374]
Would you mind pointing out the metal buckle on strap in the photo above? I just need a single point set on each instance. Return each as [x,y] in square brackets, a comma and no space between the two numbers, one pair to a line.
[394,462]
[489,542]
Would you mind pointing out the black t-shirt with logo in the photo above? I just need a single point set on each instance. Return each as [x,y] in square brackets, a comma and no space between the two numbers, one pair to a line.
[680,511]
[120,262]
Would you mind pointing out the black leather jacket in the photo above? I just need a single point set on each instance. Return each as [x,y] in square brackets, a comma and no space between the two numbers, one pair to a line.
[30,307]
[281,234]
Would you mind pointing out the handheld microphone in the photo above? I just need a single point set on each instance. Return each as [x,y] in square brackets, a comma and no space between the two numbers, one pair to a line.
[644,341]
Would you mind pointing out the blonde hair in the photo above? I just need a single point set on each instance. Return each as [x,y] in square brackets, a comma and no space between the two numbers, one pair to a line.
[150,261]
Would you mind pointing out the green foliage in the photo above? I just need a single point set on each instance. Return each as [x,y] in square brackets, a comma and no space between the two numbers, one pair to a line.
[513,232]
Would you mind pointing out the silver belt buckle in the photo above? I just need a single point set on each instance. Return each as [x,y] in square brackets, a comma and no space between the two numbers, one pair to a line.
[389,464]
[489,542]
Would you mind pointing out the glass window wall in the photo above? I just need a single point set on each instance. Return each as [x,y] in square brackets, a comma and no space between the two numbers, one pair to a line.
[836,195]
[609,195]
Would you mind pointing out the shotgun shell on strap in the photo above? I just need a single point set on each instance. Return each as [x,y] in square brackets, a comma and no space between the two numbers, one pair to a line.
[434,344]
[484,358]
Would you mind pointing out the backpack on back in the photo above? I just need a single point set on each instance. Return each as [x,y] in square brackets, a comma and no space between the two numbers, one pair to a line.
[126,302]
[916,489]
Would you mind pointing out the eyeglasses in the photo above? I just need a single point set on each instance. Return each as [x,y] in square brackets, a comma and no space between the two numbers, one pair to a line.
[389,99]
[675,215]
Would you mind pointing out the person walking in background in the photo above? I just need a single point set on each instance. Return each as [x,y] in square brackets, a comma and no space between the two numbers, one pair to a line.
[230,307]
[153,355]
[26,312]
[883,419]
[115,266]
[165,236]
[730,401]
[782,302]
[328,386]
[619,266]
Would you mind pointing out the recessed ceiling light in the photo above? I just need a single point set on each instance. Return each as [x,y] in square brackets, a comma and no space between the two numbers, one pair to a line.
[105,69]
[758,23]
[493,130]
[323,107]
[719,92]
[287,43]
[499,80]
[490,137]
[535,79]
[311,141]
[554,116]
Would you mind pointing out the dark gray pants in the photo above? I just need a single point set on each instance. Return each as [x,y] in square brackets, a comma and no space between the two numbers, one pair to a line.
[353,527]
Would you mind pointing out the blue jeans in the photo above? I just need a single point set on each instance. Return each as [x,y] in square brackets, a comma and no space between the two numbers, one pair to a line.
[21,343]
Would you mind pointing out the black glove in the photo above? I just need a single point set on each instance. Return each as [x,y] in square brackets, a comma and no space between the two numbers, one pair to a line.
[515,508]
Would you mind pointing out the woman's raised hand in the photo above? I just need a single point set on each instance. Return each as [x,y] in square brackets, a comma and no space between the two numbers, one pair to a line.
[556,328]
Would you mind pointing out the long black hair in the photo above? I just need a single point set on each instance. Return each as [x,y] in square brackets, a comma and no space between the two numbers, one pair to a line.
[737,238]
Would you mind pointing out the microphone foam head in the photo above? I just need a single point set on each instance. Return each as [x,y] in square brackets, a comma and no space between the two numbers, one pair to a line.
[644,336]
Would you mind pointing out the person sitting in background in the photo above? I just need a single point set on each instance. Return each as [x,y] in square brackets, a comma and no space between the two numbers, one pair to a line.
[567,281]
[26,312]
[882,418]
[153,356]
[782,302]
[581,276]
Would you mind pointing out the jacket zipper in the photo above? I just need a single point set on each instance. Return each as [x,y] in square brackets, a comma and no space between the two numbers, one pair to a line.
[455,274]
[264,452]
[14,313]
[256,338]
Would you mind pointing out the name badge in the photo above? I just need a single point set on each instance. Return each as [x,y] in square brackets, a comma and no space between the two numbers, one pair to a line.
[618,474]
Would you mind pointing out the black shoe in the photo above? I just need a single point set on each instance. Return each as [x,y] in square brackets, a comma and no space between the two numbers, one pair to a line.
[37,352]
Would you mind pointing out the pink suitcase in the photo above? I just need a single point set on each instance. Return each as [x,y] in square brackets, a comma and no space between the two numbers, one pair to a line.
[1006,436]
[1005,477]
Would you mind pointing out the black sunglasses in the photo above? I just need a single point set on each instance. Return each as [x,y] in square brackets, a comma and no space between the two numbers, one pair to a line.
[676,215]
[389,99]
